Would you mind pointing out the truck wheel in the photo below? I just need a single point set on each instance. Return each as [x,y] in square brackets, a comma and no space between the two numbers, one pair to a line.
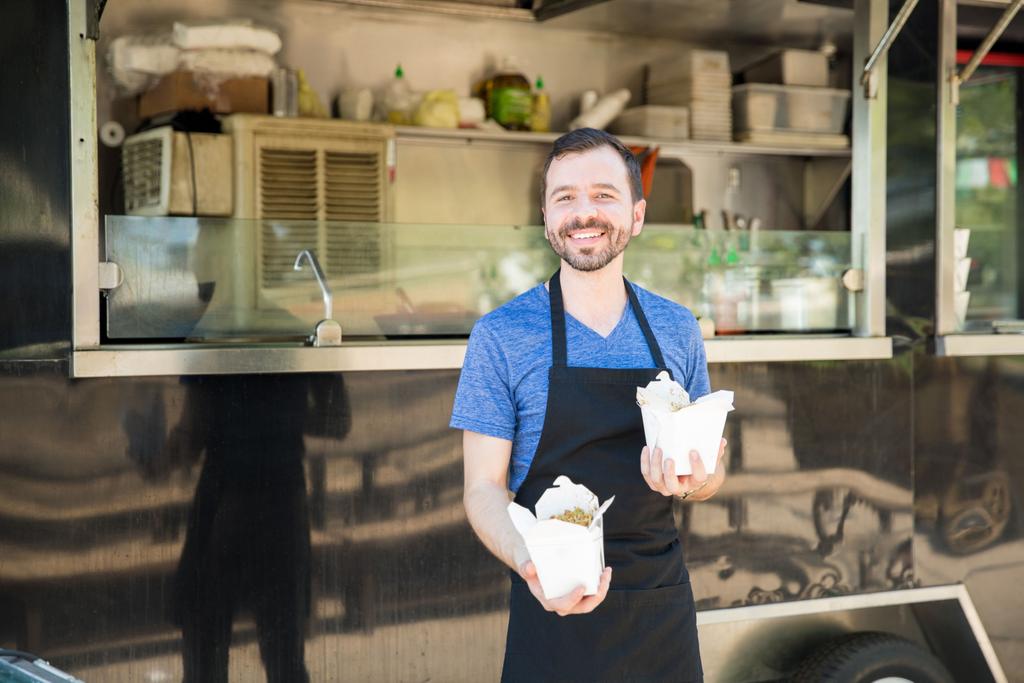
[871,658]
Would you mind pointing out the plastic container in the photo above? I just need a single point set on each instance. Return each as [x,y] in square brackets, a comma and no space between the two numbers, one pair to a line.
[699,80]
[510,97]
[790,67]
[765,107]
[397,101]
[655,121]
[700,66]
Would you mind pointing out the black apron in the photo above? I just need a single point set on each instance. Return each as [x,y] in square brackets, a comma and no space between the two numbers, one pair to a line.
[646,629]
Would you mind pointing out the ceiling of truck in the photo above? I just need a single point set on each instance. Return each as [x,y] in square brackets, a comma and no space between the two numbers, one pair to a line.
[762,22]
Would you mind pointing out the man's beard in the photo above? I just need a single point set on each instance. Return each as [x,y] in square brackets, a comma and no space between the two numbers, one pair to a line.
[589,259]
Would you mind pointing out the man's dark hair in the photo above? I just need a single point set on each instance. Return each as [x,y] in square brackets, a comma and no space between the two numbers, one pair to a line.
[583,140]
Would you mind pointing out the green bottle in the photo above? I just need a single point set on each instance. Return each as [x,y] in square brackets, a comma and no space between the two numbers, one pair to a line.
[540,111]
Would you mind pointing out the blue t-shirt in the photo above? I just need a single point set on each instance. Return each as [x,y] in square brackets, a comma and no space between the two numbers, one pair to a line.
[503,389]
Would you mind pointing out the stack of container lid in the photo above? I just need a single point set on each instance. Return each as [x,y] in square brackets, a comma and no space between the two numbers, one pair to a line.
[961,272]
[700,80]
[786,100]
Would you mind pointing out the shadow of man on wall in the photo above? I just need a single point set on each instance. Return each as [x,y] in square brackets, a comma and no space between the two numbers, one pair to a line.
[247,543]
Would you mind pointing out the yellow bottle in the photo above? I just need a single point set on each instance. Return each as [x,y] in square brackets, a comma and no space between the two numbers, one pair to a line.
[540,109]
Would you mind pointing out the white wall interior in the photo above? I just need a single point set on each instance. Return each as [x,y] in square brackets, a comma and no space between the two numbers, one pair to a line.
[341,46]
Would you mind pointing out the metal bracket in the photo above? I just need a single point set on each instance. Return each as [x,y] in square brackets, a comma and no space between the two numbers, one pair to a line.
[110,275]
[94,11]
[830,196]
[868,78]
[958,79]
[549,9]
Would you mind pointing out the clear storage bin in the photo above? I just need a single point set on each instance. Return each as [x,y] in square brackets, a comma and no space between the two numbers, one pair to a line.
[766,107]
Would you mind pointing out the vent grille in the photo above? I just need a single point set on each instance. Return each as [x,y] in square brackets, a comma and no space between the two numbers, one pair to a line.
[353,249]
[352,186]
[288,183]
[352,193]
[335,190]
[143,168]
[281,244]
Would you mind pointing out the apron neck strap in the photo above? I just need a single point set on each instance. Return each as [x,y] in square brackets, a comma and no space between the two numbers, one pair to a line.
[559,353]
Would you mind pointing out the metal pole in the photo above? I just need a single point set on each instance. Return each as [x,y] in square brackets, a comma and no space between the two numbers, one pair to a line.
[886,42]
[868,177]
[989,41]
[945,176]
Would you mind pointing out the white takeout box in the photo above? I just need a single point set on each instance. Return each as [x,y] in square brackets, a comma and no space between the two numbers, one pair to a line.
[566,555]
[696,427]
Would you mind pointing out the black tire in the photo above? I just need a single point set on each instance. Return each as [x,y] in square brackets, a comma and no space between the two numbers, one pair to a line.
[868,657]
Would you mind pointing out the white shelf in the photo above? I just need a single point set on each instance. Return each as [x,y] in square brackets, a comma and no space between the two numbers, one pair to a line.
[669,148]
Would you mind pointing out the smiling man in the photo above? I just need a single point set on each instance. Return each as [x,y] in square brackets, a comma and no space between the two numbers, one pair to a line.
[547,389]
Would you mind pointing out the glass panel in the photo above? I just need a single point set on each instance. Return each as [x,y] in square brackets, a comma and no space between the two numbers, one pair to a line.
[986,270]
[763,281]
[202,279]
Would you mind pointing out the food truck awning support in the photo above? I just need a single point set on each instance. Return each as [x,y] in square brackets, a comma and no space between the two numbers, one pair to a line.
[867,77]
[965,74]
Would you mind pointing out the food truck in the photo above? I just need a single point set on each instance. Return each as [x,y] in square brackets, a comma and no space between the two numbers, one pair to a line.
[231,338]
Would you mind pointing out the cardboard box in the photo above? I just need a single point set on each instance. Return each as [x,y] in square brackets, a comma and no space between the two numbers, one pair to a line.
[566,555]
[184,90]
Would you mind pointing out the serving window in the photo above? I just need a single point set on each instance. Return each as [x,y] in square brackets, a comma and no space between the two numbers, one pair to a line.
[417,232]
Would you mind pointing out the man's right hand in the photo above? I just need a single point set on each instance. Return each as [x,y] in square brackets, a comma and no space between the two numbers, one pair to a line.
[571,603]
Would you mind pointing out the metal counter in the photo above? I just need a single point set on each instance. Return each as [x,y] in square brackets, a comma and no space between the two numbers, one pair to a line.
[134,361]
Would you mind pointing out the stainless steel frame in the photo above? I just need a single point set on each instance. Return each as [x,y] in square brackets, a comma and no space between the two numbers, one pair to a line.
[255,359]
[132,361]
[948,341]
[915,596]
[979,344]
[89,359]
[85,313]
[868,182]
[945,179]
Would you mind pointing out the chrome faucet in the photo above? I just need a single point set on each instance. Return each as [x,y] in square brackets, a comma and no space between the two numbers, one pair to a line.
[327,332]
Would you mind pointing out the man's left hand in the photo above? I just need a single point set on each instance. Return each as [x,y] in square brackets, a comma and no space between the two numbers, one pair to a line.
[661,476]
